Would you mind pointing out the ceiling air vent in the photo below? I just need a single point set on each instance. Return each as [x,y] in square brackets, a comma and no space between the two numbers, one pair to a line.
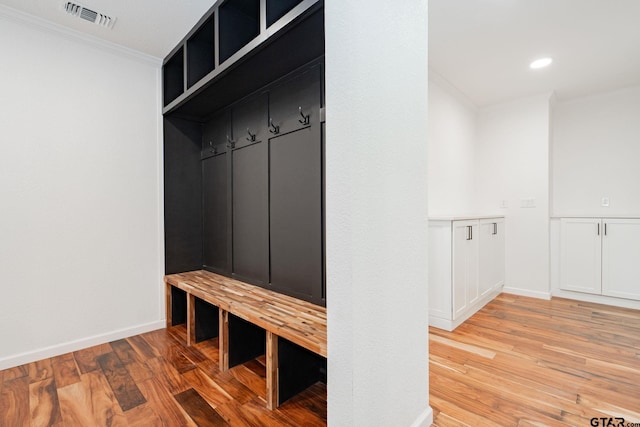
[87,14]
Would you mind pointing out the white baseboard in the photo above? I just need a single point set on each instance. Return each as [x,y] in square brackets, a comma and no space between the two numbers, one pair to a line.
[598,299]
[425,419]
[527,293]
[58,349]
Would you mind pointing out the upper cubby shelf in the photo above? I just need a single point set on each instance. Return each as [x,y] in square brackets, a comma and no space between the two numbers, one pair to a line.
[258,39]
[239,24]
[276,9]
[200,52]
[173,76]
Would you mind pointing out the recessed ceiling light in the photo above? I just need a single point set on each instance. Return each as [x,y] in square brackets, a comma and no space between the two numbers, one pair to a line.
[540,63]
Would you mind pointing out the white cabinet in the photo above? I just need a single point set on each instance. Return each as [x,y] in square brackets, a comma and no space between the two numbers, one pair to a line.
[580,254]
[466,267]
[600,256]
[491,262]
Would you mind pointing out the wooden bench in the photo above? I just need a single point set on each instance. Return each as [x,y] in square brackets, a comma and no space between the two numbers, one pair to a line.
[299,322]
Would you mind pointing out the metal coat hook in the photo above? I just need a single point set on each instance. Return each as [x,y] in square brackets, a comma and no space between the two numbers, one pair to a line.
[305,117]
[274,129]
[251,137]
[230,142]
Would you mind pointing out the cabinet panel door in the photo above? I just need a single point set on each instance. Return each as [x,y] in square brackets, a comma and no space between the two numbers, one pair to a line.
[580,254]
[250,119]
[214,213]
[440,269]
[473,292]
[250,214]
[491,255]
[462,266]
[295,214]
[215,133]
[294,98]
[620,258]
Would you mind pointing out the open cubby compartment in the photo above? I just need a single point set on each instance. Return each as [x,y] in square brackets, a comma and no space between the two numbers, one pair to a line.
[178,306]
[298,369]
[173,76]
[239,23]
[207,320]
[246,341]
[276,9]
[200,52]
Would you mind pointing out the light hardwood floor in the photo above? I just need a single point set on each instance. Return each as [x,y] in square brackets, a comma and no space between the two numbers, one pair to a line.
[517,362]
[528,362]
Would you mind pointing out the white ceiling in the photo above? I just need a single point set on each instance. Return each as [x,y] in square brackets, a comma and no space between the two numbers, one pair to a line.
[482,47]
[153,27]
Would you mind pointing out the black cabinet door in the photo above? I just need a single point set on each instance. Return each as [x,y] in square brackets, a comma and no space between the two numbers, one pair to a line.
[250,119]
[295,208]
[216,134]
[215,194]
[214,213]
[295,103]
[250,177]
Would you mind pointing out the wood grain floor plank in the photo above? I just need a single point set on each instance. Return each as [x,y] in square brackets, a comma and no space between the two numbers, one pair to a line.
[65,370]
[206,387]
[15,372]
[75,405]
[40,370]
[167,375]
[14,402]
[124,387]
[164,404]
[86,360]
[209,348]
[175,356]
[234,388]
[105,407]
[307,408]
[44,404]
[143,416]
[131,360]
[254,414]
[199,410]
[144,350]
[253,382]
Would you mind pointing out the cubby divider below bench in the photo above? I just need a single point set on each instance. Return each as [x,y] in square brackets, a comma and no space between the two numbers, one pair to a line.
[250,321]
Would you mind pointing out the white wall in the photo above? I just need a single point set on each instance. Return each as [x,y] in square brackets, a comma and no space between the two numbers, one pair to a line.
[452,147]
[376,174]
[596,153]
[80,194]
[513,164]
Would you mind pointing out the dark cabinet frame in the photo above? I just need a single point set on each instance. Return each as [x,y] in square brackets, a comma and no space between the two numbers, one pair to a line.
[219,161]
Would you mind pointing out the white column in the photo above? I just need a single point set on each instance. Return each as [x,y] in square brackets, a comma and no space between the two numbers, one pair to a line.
[376,165]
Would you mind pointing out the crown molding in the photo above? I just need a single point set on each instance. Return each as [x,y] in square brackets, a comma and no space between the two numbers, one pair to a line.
[35,22]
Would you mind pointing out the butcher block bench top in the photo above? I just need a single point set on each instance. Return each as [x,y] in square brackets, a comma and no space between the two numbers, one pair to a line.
[298,321]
